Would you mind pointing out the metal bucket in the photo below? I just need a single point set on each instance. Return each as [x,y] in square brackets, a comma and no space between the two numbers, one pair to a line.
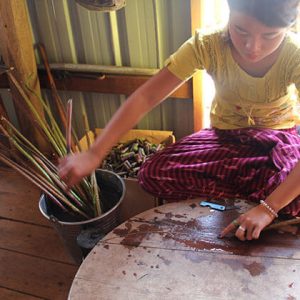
[112,189]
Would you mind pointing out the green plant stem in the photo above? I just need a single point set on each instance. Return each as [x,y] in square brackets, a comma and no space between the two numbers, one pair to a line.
[294,221]
[40,121]
[21,136]
[43,186]
[54,123]
[83,199]
[63,186]
[96,198]
[25,143]
[94,184]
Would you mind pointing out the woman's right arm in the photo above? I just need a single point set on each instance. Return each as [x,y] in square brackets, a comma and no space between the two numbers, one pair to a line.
[73,167]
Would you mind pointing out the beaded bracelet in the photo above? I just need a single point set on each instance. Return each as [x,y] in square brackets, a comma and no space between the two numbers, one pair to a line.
[269,208]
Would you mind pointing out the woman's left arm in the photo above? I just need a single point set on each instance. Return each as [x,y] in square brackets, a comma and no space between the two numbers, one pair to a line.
[250,224]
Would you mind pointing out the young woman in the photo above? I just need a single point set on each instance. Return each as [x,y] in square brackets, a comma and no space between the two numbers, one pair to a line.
[252,145]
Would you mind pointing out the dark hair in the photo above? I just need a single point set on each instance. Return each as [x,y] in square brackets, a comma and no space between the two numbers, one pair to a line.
[273,13]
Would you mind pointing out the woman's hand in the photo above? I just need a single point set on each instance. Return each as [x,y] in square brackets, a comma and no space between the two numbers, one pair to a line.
[249,225]
[73,168]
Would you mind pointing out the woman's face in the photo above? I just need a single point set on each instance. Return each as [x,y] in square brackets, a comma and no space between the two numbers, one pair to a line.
[252,39]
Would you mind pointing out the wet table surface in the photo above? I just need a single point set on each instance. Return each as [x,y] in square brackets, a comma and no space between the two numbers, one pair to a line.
[172,252]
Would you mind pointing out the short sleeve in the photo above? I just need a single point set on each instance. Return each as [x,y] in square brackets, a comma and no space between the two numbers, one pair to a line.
[193,55]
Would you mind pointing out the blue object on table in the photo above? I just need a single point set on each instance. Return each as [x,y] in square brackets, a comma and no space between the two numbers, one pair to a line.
[217,206]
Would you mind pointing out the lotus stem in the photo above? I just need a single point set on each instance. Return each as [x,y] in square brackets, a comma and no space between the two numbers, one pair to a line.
[35,113]
[294,221]
[86,129]
[69,125]
[29,161]
[28,144]
[46,172]
[17,132]
[60,184]
[55,95]
[96,197]
[42,185]
[94,183]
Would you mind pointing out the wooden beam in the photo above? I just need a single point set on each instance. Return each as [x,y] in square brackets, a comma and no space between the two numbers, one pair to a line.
[109,84]
[17,51]
[196,17]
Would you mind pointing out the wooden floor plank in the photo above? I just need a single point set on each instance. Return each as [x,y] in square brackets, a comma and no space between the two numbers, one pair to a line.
[32,240]
[6,294]
[35,276]
[19,198]
[33,263]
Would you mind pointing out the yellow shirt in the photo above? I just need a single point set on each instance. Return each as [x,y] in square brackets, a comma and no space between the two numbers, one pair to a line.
[242,100]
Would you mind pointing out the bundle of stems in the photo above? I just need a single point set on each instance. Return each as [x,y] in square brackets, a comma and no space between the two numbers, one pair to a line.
[82,201]
[96,199]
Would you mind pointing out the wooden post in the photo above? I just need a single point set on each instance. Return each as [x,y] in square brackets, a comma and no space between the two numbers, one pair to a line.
[16,47]
[196,9]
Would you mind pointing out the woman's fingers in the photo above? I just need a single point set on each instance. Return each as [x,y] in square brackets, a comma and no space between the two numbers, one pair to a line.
[71,181]
[241,232]
[70,177]
[63,168]
[62,172]
[249,225]
[249,232]
[256,232]
[230,228]
[66,172]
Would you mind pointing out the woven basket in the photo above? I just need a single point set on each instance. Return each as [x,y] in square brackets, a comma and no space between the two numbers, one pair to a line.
[102,5]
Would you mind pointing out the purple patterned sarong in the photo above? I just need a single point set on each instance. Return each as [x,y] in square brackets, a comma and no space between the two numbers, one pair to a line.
[243,163]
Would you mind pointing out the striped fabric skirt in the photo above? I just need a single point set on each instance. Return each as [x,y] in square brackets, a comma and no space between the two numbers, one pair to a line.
[243,163]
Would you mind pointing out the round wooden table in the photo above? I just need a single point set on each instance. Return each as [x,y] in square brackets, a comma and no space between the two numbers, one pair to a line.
[172,252]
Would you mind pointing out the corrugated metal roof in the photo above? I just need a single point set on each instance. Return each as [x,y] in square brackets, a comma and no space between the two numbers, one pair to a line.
[142,35]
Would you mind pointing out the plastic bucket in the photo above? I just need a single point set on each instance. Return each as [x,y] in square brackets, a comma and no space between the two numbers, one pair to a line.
[112,189]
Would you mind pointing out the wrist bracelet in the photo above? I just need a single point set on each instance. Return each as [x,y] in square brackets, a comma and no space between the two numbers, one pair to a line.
[269,208]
